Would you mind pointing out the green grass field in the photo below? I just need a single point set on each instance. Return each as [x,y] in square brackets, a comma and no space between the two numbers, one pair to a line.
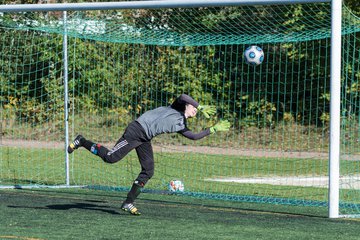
[46,166]
[77,213]
[87,214]
[23,166]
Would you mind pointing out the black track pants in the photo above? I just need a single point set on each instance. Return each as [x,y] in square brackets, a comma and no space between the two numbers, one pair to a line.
[134,138]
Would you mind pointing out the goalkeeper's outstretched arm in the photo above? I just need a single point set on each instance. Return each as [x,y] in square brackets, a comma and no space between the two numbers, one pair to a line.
[195,136]
[222,126]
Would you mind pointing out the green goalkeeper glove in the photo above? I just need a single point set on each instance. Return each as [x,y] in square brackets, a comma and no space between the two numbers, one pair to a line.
[207,110]
[222,126]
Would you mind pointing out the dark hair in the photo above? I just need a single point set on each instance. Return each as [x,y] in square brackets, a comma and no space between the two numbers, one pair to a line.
[180,102]
[179,105]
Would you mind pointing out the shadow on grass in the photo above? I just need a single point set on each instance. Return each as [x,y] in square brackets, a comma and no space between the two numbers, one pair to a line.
[79,206]
[185,202]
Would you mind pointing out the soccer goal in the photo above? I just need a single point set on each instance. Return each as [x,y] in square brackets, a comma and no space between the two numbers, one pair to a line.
[91,68]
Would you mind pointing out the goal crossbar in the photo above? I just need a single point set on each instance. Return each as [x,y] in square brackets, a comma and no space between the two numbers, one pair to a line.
[145,5]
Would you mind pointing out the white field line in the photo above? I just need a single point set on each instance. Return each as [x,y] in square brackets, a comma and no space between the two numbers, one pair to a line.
[346,182]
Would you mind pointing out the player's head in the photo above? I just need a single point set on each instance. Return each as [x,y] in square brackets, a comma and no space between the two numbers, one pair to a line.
[181,101]
[182,105]
[190,111]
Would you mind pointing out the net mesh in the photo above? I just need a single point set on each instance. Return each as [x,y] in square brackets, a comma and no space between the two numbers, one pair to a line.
[124,62]
[192,27]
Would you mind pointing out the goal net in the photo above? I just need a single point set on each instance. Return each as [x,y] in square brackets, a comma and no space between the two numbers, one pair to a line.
[123,62]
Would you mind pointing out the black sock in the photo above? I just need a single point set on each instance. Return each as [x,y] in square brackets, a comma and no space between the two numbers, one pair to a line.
[92,147]
[87,144]
[134,192]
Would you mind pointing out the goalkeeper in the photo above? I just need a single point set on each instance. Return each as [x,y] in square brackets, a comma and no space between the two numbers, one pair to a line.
[139,133]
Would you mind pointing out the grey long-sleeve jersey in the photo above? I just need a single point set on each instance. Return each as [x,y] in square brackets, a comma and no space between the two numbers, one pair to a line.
[167,120]
[161,120]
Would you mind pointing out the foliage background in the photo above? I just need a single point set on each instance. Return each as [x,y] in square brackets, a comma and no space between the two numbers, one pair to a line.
[109,86]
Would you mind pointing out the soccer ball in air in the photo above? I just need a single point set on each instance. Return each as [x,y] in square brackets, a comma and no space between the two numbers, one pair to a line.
[176,186]
[254,55]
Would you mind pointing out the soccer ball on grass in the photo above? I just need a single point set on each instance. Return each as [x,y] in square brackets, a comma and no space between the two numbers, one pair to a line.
[254,55]
[176,186]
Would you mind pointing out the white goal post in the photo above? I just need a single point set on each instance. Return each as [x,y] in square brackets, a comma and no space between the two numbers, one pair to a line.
[147,4]
[336,12]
